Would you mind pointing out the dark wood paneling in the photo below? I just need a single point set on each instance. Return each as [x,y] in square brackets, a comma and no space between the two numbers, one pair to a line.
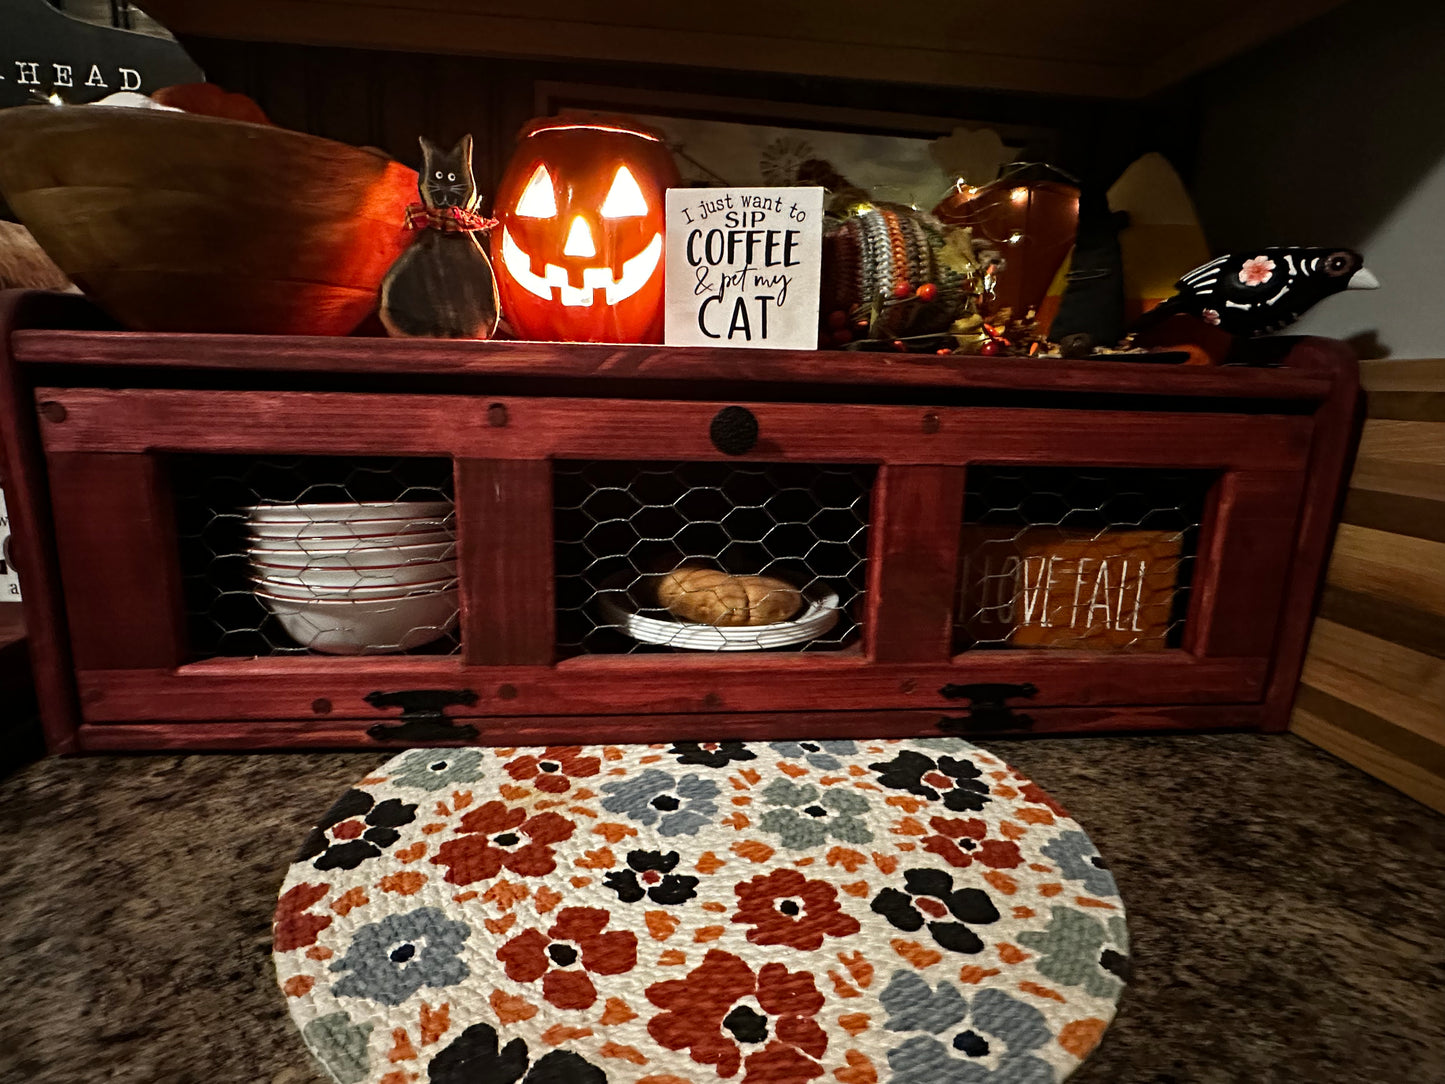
[1419,750]
[1417,517]
[1373,684]
[1408,406]
[1419,630]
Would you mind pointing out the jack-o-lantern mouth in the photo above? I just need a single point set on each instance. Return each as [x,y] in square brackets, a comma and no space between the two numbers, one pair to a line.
[635,274]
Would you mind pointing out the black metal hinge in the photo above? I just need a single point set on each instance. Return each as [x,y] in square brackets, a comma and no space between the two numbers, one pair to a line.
[986,709]
[422,717]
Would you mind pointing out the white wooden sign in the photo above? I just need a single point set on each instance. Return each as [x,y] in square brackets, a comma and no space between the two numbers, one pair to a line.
[743,267]
[9,582]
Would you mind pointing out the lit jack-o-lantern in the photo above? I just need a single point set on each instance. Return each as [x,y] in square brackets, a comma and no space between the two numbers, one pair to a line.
[578,247]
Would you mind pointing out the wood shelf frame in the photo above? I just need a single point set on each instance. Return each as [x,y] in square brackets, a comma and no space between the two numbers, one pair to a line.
[96,415]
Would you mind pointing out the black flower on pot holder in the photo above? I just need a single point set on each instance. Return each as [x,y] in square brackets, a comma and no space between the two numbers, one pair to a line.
[929,898]
[957,779]
[649,874]
[711,754]
[477,1055]
[354,829]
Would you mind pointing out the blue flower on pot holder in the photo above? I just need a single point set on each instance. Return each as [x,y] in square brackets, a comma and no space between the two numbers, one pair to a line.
[679,807]
[988,1039]
[803,819]
[1078,949]
[438,769]
[1079,860]
[392,959]
[822,755]
[341,1046]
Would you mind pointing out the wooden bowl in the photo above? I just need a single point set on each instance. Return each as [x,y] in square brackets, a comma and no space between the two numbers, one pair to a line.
[178,222]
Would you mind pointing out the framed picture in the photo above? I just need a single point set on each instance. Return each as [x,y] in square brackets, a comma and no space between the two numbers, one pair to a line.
[746,142]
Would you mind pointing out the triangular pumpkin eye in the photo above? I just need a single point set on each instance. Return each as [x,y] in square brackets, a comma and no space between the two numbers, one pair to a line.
[538,200]
[625,199]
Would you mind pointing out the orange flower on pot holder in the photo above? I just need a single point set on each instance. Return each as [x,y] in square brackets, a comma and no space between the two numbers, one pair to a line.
[562,957]
[723,1003]
[785,908]
[961,841]
[554,768]
[499,838]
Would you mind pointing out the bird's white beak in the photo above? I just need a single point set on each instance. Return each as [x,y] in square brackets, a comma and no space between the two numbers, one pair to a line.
[1363,280]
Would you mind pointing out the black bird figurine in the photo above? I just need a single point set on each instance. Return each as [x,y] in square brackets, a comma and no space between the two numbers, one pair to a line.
[1264,289]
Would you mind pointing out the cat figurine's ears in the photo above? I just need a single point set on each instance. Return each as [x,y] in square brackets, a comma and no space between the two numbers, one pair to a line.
[462,150]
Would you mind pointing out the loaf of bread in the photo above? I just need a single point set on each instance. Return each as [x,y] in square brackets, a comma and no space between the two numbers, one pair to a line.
[708,596]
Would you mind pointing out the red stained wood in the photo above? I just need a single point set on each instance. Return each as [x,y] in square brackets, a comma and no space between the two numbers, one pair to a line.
[115,534]
[307,734]
[1261,554]
[1336,436]
[674,684]
[1243,572]
[572,361]
[28,503]
[917,516]
[350,424]
[504,516]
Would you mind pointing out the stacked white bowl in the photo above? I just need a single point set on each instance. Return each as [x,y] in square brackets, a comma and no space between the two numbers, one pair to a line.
[356,578]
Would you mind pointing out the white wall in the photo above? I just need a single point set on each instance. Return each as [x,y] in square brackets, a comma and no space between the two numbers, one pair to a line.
[1335,135]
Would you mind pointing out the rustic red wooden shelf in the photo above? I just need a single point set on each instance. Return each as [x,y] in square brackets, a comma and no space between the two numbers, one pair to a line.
[108,432]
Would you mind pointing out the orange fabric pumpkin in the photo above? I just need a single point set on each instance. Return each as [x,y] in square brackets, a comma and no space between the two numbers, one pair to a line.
[210,100]
[579,243]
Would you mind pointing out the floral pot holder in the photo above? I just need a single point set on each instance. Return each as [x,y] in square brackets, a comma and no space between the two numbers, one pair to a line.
[910,911]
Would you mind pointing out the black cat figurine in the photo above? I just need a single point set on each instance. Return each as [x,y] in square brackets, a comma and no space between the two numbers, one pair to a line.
[442,286]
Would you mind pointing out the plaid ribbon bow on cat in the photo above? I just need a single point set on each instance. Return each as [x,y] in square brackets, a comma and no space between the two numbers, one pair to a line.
[447,219]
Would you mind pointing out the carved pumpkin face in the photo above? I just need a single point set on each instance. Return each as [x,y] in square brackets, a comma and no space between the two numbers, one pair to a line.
[578,246]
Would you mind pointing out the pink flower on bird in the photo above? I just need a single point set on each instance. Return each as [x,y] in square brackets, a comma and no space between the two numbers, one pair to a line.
[1256,271]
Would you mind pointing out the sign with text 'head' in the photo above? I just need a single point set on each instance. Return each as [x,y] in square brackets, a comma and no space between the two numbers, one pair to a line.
[44,51]
[743,267]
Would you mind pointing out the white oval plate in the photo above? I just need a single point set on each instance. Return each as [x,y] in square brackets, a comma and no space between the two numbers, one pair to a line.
[345,545]
[341,578]
[345,513]
[295,560]
[306,593]
[357,528]
[618,607]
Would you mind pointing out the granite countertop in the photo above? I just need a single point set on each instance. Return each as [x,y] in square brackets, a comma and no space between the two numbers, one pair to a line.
[1285,912]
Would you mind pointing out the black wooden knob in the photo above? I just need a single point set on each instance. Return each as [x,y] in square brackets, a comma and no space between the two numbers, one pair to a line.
[734,430]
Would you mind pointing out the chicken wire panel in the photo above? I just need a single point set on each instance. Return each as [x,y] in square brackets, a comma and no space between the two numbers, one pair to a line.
[619,526]
[1082,558]
[224,614]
